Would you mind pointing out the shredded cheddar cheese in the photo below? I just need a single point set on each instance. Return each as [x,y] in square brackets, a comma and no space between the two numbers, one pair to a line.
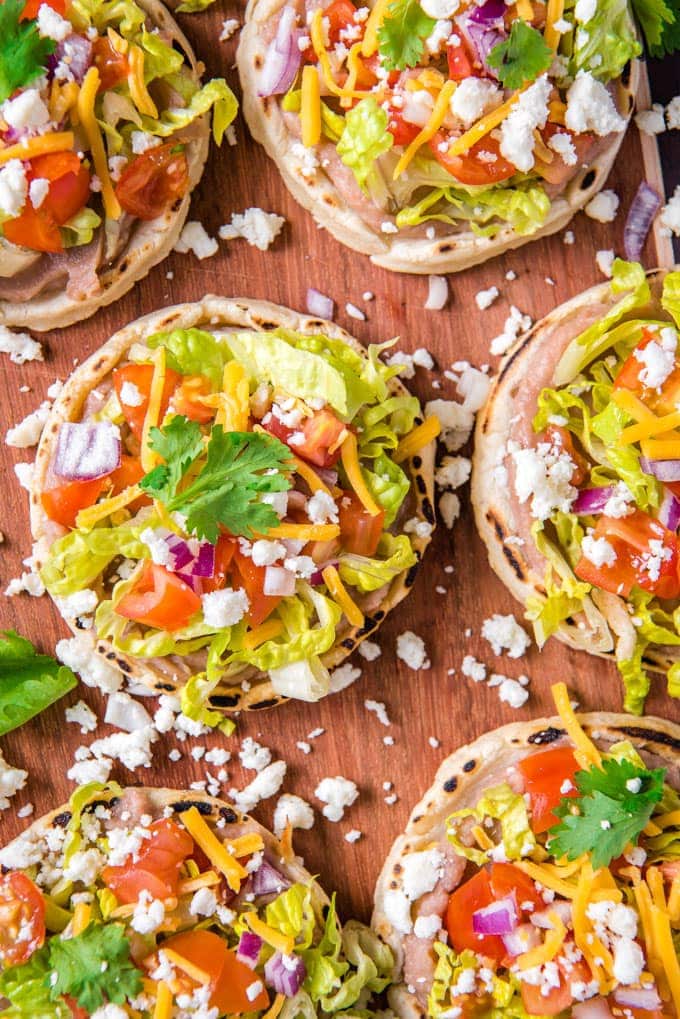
[90,516]
[86,101]
[661,449]
[304,532]
[354,66]
[191,969]
[205,880]
[525,10]
[338,590]
[245,845]
[163,1009]
[281,942]
[350,461]
[276,1007]
[375,19]
[138,90]
[153,411]
[554,13]
[310,107]
[482,839]
[439,111]
[419,437]
[317,36]
[63,98]
[646,429]
[81,917]
[309,475]
[483,127]
[58,141]
[627,401]
[586,752]
[551,946]
[259,634]
[215,850]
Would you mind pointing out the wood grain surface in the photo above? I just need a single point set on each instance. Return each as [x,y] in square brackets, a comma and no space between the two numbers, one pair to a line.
[438,702]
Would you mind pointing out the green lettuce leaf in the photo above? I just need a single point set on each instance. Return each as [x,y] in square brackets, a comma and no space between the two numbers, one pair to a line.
[160,59]
[674,680]
[364,139]
[80,228]
[502,804]
[565,593]
[523,206]
[77,558]
[627,278]
[660,22]
[345,964]
[310,622]
[606,42]
[124,15]
[292,913]
[670,298]
[193,352]
[29,682]
[194,6]
[215,95]
[506,997]
[636,681]
[270,358]
[371,574]
[27,989]
[388,484]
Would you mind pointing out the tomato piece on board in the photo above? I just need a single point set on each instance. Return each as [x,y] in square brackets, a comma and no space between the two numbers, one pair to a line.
[482,164]
[463,902]
[251,578]
[360,532]
[160,599]
[460,60]
[22,911]
[32,7]
[507,879]
[153,181]
[224,554]
[156,869]
[559,998]
[187,399]
[556,435]
[113,66]
[141,376]
[63,502]
[544,774]
[229,977]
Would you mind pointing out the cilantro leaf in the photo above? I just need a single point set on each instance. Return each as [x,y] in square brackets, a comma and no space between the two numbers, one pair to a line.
[521,57]
[402,35]
[29,682]
[614,804]
[238,467]
[660,23]
[23,54]
[77,965]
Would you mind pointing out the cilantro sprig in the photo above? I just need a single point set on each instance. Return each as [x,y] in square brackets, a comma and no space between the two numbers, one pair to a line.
[79,970]
[521,57]
[23,54]
[613,805]
[660,23]
[29,682]
[402,35]
[225,487]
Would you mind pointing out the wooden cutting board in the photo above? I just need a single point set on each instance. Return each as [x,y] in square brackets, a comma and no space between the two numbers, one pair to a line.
[437,704]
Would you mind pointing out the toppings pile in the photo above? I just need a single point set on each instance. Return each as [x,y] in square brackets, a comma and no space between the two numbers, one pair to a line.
[569,902]
[236,495]
[603,481]
[96,109]
[452,113]
[120,908]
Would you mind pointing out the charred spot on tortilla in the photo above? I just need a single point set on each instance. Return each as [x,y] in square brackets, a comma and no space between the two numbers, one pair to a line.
[63,819]
[228,815]
[469,766]
[545,736]
[651,736]
[451,784]
[222,700]
[588,179]
[271,702]
[181,806]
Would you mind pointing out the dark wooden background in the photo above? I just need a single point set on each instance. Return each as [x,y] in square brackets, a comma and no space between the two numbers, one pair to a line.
[432,703]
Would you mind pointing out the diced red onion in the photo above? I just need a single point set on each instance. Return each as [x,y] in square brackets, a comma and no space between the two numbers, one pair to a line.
[317,577]
[669,511]
[498,918]
[591,500]
[249,947]
[204,565]
[663,470]
[643,209]
[86,451]
[522,939]
[181,552]
[327,475]
[267,880]
[646,998]
[285,974]
[189,562]
[484,27]
[279,582]
[320,304]
[594,1008]
[437,293]
[282,59]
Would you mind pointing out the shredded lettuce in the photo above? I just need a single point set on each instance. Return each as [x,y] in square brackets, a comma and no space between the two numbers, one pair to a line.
[388,484]
[193,352]
[565,594]
[80,228]
[310,622]
[522,206]
[371,574]
[606,42]
[346,965]
[215,95]
[636,681]
[506,997]
[502,804]
[27,989]
[292,913]
[78,557]
[670,298]
[364,139]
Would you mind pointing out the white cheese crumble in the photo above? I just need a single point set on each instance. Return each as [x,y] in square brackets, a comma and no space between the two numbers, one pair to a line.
[485,298]
[473,98]
[20,346]
[598,551]
[590,107]
[337,794]
[603,207]
[294,811]
[651,121]
[225,607]
[27,433]
[257,227]
[658,359]
[265,785]
[13,188]
[253,755]
[505,634]
[229,27]
[515,323]
[77,653]
[195,238]
[517,130]
[12,780]
[544,475]
[411,650]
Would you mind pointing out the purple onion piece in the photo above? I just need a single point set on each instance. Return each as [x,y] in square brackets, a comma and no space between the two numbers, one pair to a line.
[320,304]
[498,918]
[663,470]
[204,564]
[643,209]
[267,880]
[181,552]
[285,973]
[669,511]
[591,500]
[86,451]
[645,998]
[282,58]
[484,28]
[76,53]
[249,947]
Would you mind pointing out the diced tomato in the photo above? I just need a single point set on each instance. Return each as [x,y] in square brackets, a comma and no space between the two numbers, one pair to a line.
[638,540]
[463,902]
[229,977]
[141,376]
[224,554]
[63,502]
[544,774]
[401,130]
[129,473]
[557,171]
[156,869]
[559,998]
[506,879]
[664,402]
[629,373]
[360,532]
[153,181]
[22,912]
[251,579]
[556,435]
[460,60]
[482,164]
[113,66]
[187,398]
[69,189]
[321,431]
[76,1011]
[32,7]
[159,599]
[340,14]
